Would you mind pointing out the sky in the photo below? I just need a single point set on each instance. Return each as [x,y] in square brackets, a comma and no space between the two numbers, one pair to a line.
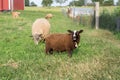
[38,2]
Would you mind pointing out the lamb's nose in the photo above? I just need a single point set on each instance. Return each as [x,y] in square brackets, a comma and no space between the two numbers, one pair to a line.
[74,38]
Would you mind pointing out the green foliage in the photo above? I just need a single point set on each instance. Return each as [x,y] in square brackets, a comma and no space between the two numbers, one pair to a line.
[101,1]
[61,1]
[117,11]
[33,4]
[108,20]
[108,3]
[47,2]
[77,3]
[104,2]
[118,3]
[117,34]
[86,20]
[26,2]
[90,4]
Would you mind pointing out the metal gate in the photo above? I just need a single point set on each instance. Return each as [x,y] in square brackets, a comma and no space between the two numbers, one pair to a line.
[84,16]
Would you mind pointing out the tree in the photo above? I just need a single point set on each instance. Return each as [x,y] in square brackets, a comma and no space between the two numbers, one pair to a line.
[61,1]
[77,3]
[108,3]
[101,1]
[118,3]
[26,2]
[33,4]
[47,2]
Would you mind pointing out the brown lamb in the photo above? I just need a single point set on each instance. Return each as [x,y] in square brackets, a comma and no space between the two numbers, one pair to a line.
[49,16]
[15,14]
[62,42]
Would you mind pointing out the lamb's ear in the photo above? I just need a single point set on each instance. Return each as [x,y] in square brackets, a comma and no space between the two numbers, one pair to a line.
[80,31]
[39,35]
[70,31]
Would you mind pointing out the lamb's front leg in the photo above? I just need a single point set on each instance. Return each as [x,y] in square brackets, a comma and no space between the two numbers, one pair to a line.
[69,53]
[47,50]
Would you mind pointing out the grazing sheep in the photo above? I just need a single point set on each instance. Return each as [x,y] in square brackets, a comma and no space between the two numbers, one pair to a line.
[15,14]
[62,42]
[72,15]
[69,13]
[49,16]
[40,29]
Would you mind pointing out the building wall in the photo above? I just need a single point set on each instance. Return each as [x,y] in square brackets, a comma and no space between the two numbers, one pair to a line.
[11,5]
[1,3]
[5,5]
[18,5]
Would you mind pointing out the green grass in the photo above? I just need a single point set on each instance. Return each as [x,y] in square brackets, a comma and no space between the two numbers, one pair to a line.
[96,58]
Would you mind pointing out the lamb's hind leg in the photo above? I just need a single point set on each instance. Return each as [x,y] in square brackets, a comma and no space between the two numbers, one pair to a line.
[48,50]
[51,51]
[69,53]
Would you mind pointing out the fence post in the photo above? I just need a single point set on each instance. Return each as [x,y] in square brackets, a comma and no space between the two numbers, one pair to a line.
[97,15]
[118,24]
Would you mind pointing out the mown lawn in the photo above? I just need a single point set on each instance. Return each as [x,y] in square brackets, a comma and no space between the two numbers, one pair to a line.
[96,58]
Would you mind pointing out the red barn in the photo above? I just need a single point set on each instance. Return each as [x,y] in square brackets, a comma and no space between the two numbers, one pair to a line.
[6,5]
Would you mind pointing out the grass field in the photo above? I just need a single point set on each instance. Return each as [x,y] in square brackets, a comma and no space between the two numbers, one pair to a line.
[96,58]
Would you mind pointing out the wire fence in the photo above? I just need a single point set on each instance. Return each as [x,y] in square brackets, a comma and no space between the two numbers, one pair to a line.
[83,16]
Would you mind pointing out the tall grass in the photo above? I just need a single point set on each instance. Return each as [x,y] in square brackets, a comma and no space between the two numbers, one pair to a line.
[96,58]
[109,20]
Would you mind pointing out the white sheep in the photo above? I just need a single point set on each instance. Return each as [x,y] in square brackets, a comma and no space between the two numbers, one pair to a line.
[40,29]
